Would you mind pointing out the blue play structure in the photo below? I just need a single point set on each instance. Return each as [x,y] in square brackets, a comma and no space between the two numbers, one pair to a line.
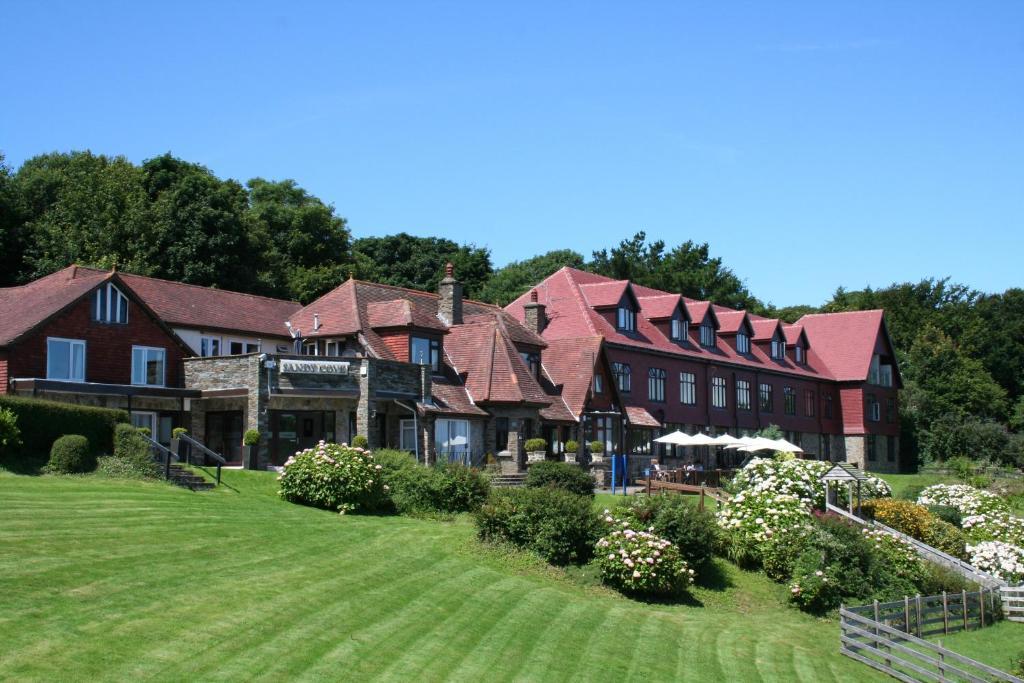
[620,472]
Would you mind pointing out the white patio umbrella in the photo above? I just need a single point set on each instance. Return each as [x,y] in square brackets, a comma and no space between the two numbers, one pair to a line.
[740,443]
[701,439]
[759,443]
[783,445]
[727,440]
[676,438]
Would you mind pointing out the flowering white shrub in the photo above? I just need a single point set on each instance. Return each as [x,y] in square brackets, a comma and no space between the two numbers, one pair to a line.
[967,499]
[1000,559]
[995,526]
[640,562]
[800,478]
[752,518]
[333,476]
[899,555]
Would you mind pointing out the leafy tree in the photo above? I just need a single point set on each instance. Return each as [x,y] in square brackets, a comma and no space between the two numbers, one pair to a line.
[999,338]
[687,269]
[791,314]
[509,282]
[1017,416]
[84,208]
[305,246]
[405,260]
[12,246]
[199,231]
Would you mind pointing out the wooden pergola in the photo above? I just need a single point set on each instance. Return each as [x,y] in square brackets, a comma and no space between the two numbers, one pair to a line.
[846,473]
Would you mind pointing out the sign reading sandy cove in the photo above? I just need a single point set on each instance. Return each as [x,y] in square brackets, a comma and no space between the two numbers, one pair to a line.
[315,367]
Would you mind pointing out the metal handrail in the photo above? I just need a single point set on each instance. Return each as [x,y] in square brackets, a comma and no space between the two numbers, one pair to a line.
[168,453]
[206,451]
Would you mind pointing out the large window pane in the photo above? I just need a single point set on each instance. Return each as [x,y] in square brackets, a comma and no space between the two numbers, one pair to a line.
[65,359]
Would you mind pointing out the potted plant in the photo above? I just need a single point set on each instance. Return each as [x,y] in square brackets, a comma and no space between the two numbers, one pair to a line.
[536,450]
[596,451]
[251,449]
[179,446]
[571,450]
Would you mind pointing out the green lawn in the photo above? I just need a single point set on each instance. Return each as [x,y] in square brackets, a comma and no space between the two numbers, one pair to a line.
[999,646]
[108,580]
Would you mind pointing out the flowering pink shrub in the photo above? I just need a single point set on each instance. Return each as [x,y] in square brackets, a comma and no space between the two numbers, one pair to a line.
[639,562]
[335,477]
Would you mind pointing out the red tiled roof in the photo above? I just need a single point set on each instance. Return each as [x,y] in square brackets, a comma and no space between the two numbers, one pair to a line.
[845,341]
[793,334]
[640,417]
[570,362]
[571,318]
[604,294]
[764,328]
[660,307]
[452,399]
[23,308]
[186,305]
[494,370]
[730,322]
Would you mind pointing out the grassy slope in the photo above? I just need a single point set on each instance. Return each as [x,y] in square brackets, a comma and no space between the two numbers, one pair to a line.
[999,646]
[109,580]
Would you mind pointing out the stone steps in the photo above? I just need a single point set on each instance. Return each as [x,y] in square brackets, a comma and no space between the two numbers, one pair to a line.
[179,476]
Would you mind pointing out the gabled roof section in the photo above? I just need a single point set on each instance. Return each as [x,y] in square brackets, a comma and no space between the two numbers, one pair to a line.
[698,310]
[845,342]
[493,369]
[337,310]
[571,363]
[184,305]
[766,328]
[661,306]
[607,294]
[795,333]
[731,322]
[24,308]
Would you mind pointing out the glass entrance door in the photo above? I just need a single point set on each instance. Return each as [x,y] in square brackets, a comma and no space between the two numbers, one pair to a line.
[296,430]
[224,434]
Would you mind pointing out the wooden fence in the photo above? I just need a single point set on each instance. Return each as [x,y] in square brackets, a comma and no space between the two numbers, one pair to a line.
[1013,602]
[908,657]
[936,614]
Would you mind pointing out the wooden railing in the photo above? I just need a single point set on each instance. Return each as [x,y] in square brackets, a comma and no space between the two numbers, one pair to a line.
[710,478]
[1013,602]
[905,656]
[217,457]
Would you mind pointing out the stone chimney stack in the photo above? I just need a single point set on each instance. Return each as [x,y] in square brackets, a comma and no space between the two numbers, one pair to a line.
[449,308]
[536,314]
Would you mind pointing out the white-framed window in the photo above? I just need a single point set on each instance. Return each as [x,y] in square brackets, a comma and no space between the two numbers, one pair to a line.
[742,342]
[767,402]
[778,348]
[532,361]
[718,397]
[688,388]
[334,347]
[707,334]
[798,352]
[209,346]
[626,319]
[407,436]
[874,408]
[65,359]
[598,383]
[110,305]
[309,348]
[149,366]
[743,394]
[656,385]
[680,329]
[237,347]
[451,438]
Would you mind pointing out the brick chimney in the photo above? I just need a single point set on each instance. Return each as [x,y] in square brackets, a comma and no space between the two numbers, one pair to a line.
[449,308]
[536,315]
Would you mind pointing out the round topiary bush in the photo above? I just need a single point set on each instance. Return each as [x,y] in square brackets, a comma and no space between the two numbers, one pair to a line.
[71,454]
[596,446]
[251,438]
[534,445]
[360,441]
[560,475]
[572,446]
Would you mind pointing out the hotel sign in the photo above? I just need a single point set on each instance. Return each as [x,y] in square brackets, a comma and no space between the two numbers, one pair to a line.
[314,367]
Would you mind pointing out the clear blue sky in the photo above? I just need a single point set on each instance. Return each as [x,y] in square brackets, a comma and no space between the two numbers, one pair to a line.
[812,144]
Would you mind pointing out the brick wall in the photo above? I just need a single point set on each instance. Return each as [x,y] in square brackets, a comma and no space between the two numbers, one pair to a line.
[108,348]
[3,372]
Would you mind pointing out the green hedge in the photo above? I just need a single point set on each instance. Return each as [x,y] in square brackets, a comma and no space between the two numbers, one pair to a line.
[43,422]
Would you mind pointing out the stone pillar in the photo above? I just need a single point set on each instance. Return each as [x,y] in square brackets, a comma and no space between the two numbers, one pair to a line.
[258,406]
[854,448]
[365,424]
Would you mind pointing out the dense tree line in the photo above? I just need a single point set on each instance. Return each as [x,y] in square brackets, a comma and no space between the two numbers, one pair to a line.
[961,352]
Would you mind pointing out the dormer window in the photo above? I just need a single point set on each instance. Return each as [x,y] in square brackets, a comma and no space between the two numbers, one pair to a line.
[778,348]
[742,342]
[425,352]
[110,305]
[707,334]
[623,376]
[626,321]
[532,361]
[798,351]
[680,329]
